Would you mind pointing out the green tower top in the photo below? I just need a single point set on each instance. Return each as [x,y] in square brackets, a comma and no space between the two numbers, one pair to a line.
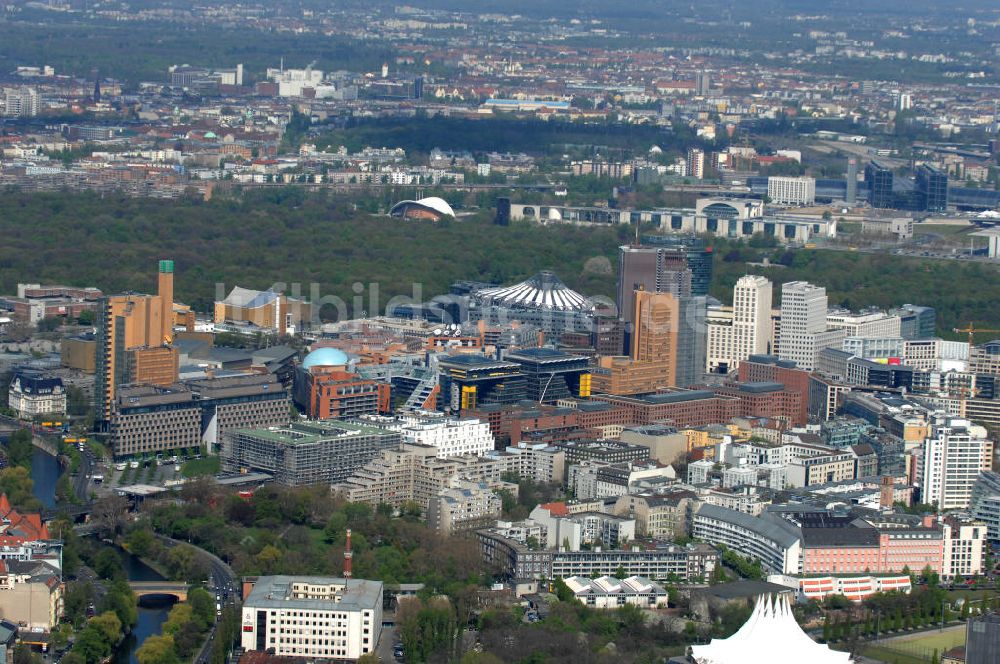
[166,266]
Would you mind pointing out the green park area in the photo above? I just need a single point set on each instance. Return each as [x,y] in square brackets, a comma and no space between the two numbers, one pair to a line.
[200,467]
[918,648]
[327,241]
[943,229]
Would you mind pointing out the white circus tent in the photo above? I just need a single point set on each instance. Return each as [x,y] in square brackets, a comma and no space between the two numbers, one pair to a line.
[771,635]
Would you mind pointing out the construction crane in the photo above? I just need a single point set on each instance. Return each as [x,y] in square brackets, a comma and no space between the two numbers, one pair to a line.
[971,330]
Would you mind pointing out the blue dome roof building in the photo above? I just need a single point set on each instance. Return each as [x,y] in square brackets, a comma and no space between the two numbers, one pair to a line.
[325,357]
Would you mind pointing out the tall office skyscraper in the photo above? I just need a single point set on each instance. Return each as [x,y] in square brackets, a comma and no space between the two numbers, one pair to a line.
[669,333]
[735,334]
[878,178]
[134,337]
[803,324]
[852,181]
[165,291]
[665,349]
[751,316]
[932,183]
[699,258]
[654,269]
[916,322]
[692,341]
[665,270]
[955,453]
[702,84]
[655,337]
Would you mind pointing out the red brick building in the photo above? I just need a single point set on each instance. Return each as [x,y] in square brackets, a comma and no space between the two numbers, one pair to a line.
[333,393]
[768,399]
[683,408]
[511,424]
[34,302]
[767,368]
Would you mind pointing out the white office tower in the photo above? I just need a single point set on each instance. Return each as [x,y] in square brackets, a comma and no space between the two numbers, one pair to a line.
[791,190]
[751,317]
[744,329]
[803,324]
[21,102]
[955,453]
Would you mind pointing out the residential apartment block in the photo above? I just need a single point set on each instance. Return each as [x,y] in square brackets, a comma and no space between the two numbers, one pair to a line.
[307,452]
[451,436]
[463,506]
[810,540]
[659,562]
[955,452]
[31,594]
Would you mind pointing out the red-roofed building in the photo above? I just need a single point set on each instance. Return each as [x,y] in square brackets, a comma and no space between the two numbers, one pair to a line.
[17,528]
[25,538]
[556,509]
[30,571]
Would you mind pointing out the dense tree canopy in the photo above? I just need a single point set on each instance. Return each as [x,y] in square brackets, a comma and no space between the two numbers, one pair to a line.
[302,531]
[293,239]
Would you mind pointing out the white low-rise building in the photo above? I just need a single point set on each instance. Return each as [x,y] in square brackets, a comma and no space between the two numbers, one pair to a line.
[32,394]
[855,588]
[313,617]
[452,436]
[607,592]
[876,324]
[592,478]
[571,532]
[698,471]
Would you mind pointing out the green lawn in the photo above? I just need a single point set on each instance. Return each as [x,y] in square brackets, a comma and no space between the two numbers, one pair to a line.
[892,657]
[198,467]
[985,592]
[940,229]
[917,648]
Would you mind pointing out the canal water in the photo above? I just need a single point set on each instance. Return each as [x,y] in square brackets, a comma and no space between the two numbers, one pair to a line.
[45,472]
[152,612]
